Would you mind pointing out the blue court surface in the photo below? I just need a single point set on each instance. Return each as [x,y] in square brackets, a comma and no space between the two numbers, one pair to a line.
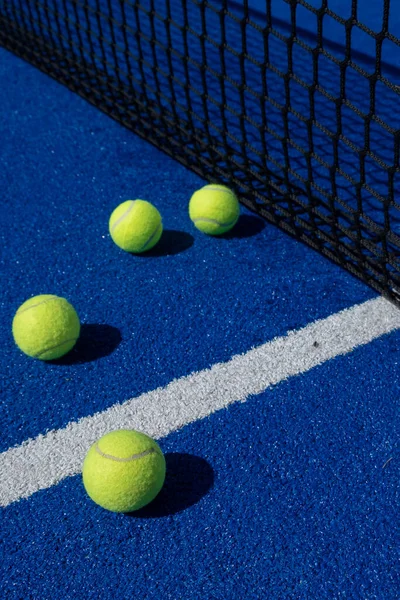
[269,376]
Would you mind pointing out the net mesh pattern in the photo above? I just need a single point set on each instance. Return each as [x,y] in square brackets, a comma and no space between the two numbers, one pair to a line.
[294,104]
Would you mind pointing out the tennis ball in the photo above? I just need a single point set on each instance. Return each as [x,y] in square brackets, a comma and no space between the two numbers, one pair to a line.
[124,470]
[214,209]
[46,327]
[135,226]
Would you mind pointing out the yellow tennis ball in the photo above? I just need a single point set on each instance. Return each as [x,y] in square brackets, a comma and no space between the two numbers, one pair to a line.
[214,209]
[46,327]
[136,226]
[124,470]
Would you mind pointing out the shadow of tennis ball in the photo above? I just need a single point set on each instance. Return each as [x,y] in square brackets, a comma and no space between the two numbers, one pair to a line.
[188,479]
[246,227]
[94,342]
[171,242]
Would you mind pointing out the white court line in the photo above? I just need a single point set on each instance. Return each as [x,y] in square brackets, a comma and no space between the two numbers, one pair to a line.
[42,462]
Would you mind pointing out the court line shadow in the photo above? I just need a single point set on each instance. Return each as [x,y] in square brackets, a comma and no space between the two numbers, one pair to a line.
[95,341]
[172,242]
[188,479]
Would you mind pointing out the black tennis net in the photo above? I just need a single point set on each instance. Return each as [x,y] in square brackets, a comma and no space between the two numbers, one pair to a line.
[293,104]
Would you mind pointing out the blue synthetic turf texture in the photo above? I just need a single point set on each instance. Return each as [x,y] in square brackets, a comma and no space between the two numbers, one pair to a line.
[65,167]
[286,496]
[291,499]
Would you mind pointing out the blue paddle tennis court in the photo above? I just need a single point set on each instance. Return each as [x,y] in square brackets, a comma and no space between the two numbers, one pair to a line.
[267,373]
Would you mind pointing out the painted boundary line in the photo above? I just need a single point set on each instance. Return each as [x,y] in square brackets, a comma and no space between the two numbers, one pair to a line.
[42,462]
